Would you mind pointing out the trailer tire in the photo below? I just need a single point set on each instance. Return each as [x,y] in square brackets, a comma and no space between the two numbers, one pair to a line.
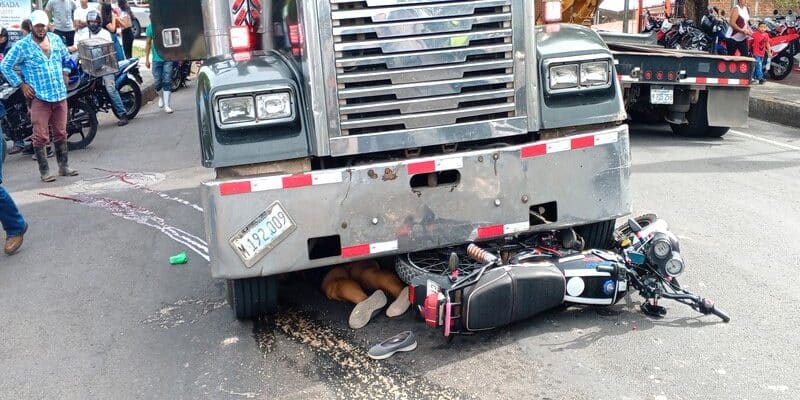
[598,235]
[698,121]
[252,297]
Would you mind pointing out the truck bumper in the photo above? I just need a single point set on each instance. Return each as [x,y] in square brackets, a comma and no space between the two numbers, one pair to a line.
[377,209]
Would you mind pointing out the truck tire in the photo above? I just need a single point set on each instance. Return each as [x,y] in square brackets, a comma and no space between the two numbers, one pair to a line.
[252,297]
[598,235]
[698,121]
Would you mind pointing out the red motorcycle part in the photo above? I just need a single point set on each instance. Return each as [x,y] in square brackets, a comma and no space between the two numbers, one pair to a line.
[430,309]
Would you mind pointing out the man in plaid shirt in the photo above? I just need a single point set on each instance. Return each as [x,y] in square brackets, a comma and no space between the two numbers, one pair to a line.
[41,57]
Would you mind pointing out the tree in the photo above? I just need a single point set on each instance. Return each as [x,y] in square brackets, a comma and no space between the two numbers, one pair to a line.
[695,9]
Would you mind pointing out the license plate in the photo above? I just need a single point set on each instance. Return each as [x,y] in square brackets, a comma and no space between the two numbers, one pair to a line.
[262,234]
[660,96]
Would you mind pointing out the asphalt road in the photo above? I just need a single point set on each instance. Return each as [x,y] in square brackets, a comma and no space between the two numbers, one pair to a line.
[91,308]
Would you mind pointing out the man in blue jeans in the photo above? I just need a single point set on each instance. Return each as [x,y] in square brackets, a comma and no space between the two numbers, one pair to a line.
[13,223]
[162,71]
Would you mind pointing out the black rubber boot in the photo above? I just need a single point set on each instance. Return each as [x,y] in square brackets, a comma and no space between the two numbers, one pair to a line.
[44,167]
[63,164]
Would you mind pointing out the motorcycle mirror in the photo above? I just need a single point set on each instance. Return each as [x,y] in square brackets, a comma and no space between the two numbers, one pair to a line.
[635,227]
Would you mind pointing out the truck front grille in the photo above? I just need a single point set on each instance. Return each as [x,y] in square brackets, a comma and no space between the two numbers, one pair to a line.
[407,64]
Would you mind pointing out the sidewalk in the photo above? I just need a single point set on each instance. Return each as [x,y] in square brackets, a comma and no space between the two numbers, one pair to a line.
[777,101]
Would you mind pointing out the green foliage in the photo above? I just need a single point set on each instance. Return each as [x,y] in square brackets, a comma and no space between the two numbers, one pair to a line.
[783,5]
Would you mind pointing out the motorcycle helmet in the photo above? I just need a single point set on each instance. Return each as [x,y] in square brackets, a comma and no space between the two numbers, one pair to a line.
[94,22]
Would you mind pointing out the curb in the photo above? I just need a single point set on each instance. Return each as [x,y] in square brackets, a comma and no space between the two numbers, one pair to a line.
[772,110]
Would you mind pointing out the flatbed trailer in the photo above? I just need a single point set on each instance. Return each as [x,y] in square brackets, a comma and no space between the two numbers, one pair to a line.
[698,94]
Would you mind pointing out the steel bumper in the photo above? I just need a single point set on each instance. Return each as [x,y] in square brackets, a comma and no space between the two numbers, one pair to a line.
[375,211]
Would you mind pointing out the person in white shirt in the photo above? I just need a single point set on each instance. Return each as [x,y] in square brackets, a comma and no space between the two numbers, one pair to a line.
[79,15]
[94,29]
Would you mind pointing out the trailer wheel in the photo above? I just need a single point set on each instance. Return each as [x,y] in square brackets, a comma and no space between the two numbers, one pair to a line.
[698,121]
[598,235]
[252,297]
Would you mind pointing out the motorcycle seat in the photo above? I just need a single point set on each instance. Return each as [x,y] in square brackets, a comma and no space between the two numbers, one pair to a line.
[125,63]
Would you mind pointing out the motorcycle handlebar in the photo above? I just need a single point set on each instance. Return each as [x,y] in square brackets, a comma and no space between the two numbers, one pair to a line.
[720,313]
[606,268]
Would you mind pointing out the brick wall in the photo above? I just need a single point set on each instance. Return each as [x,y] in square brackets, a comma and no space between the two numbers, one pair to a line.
[757,7]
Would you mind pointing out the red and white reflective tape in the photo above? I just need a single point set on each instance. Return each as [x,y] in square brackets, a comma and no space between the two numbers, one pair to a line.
[484,232]
[716,81]
[568,143]
[279,182]
[368,249]
[424,167]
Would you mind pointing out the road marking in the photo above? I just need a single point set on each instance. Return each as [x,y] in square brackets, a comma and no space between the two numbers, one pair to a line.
[772,142]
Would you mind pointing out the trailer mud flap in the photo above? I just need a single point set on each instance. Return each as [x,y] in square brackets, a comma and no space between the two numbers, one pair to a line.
[728,106]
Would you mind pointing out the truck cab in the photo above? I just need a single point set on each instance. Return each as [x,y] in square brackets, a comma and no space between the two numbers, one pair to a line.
[342,130]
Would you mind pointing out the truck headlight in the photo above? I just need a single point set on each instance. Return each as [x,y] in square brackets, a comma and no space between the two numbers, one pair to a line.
[274,105]
[234,110]
[594,73]
[267,105]
[563,76]
[578,73]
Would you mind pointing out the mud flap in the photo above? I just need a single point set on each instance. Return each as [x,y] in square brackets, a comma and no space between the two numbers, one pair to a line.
[728,106]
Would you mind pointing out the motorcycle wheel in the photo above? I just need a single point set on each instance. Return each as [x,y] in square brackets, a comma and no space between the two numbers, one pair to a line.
[433,263]
[643,220]
[781,67]
[598,235]
[81,125]
[131,96]
[177,79]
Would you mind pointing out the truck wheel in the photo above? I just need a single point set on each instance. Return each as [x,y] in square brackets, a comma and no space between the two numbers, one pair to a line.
[252,297]
[698,121]
[598,235]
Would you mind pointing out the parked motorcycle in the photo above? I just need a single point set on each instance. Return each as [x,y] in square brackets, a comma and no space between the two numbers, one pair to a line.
[784,48]
[180,73]
[90,89]
[513,279]
[714,28]
[17,126]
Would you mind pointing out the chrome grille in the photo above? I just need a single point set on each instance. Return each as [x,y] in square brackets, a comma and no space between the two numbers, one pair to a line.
[408,64]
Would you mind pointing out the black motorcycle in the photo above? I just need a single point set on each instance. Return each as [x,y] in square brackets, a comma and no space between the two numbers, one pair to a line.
[90,89]
[180,74]
[511,279]
[81,118]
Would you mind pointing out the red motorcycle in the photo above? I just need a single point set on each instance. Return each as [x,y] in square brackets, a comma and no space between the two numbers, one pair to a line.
[784,48]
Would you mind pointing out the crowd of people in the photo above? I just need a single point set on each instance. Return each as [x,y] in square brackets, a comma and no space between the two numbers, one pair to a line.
[37,65]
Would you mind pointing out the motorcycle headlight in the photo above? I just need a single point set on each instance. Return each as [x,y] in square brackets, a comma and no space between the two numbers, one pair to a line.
[563,76]
[662,247]
[234,110]
[594,73]
[674,266]
[274,105]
